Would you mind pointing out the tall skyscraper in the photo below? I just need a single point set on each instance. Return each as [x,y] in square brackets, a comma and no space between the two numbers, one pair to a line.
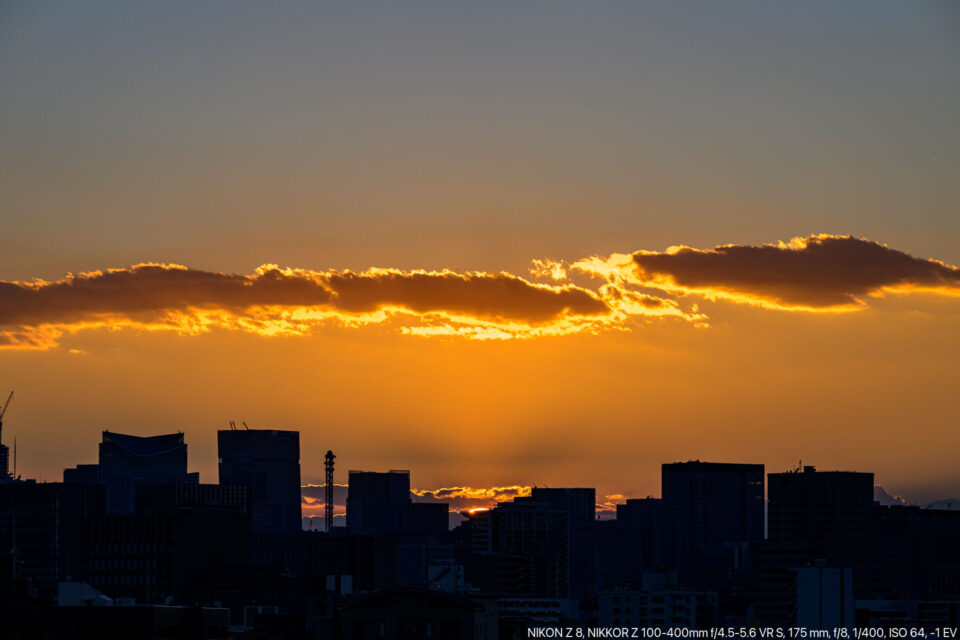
[521,548]
[821,515]
[376,501]
[814,519]
[410,536]
[126,461]
[711,513]
[587,541]
[643,518]
[267,461]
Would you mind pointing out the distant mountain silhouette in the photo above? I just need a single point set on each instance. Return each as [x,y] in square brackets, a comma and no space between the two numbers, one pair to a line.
[886,499]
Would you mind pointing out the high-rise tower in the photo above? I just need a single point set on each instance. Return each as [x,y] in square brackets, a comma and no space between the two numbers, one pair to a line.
[267,461]
[127,460]
[711,513]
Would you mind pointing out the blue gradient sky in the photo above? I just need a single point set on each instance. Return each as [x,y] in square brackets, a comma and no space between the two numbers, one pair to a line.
[483,134]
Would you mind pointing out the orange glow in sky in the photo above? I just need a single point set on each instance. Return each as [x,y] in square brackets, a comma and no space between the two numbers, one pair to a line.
[499,245]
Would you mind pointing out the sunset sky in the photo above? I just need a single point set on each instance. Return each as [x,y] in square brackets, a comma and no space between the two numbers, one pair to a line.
[498,244]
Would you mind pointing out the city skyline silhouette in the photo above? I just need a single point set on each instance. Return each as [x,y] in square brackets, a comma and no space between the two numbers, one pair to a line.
[479,320]
[724,544]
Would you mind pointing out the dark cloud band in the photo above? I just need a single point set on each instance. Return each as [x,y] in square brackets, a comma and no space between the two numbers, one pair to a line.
[819,272]
[147,289]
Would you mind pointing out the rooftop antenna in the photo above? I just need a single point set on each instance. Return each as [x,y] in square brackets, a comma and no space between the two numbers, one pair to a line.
[328,507]
[245,427]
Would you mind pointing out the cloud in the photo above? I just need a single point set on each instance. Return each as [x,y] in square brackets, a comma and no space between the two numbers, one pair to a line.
[144,289]
[460,499]
[817,273]
[275,301]
[312,497]
[313,503]
[466,498]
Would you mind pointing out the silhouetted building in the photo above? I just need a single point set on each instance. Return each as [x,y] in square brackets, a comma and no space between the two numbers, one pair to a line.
[824,598]
[643,518]
[695,558]
[409,536]
[711,513]
[115,623]
[814,519]
[376,502]
[168,498]
[656,602]
[612,553]
[585,543]
[602,556]
[395,614]
[82,474]
[917,555]
[580,503]
[39,523]
[521,549]
[173,551]
[14,588]
[427,517]
[821,516]
[4,464]
[267,461]
[126,461]
[344,562]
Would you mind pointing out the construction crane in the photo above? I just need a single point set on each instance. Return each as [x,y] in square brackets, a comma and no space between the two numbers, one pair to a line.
[3,411]
[4,451]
